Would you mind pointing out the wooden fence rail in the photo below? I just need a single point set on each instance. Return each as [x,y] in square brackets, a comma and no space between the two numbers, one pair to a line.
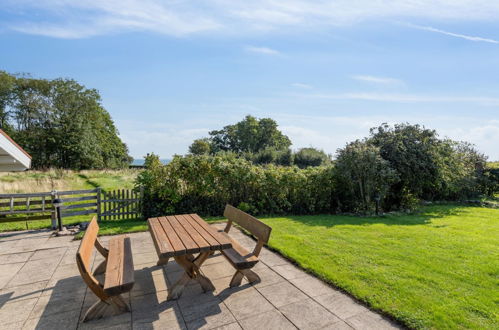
[108,205]
[120,204]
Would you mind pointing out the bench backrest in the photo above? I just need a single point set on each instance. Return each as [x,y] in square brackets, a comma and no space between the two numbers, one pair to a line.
[257,228]
[84,256]
[87,244]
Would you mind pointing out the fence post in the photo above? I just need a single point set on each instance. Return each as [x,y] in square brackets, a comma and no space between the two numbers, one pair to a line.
[141,201]
[58,204]
[53,215]
[98,204]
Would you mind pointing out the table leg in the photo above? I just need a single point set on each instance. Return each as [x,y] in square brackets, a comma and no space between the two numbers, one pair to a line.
[162,261]
[191,271]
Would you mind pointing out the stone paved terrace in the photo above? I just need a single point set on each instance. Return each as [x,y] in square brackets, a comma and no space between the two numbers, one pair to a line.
[40,288]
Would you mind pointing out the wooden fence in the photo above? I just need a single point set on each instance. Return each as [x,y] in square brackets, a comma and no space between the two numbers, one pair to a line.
[27,207]
[120,204]
[108,205]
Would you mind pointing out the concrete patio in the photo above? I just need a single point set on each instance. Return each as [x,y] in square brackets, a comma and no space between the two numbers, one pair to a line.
[40,288]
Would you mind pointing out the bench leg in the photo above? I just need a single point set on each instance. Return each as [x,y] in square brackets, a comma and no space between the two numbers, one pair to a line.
[250,275]
[112,306]
[192,271]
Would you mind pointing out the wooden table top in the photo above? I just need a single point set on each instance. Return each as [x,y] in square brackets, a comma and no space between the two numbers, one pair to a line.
[177,235]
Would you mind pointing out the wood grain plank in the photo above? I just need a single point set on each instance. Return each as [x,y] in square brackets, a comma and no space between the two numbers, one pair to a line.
[87,243]
[189,243]
[163,246]
[193,233]
[224,242]
[119,269]
[239,256]
[114,266]
[175,241]
[214,244]
[248,222]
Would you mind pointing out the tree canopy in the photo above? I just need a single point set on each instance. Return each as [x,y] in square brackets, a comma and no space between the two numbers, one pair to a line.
[249,135]
[60,123]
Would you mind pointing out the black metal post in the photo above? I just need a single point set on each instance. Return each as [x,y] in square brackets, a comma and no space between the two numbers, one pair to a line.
[58,204]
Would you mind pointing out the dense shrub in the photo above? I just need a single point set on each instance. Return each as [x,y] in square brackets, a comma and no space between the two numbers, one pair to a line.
[363,177]
[204,184]
[306,157]
[429,168]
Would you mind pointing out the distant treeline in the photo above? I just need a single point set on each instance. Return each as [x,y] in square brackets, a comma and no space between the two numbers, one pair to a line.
[60,123]
[395,168]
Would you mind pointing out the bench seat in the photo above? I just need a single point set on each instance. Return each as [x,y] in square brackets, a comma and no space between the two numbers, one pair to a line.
[119,269]
[239,256]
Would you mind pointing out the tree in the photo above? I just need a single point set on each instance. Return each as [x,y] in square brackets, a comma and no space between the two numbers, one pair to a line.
[62,124]
[7,83]
[415,153]
[363,177]
[200,147]
[249,135]
[306,157]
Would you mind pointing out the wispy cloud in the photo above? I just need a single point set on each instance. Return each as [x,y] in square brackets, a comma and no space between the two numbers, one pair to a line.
[377,80]
[452,34]
[262,50]
[301,85]
[76,19]
[407,98]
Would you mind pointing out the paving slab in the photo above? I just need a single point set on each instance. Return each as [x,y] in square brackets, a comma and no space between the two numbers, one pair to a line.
[272,319]
[313,286]
[341,305]
[247,302]
[370,320]
[308,314]
[13,258]
[210,318]
[282,293]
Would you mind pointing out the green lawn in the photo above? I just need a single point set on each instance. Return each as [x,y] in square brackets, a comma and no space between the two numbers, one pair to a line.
[435,269]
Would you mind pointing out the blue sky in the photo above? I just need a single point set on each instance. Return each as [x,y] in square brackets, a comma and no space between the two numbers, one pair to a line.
[326,71]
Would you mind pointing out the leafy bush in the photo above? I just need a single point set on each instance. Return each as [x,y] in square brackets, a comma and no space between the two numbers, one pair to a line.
[429,168]
[363,177]
[204,184]
[306,157]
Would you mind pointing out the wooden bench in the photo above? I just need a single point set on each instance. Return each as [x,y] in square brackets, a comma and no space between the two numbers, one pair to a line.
[239,257]
[118,269]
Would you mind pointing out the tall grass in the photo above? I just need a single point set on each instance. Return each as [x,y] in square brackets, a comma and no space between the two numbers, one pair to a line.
[58,179]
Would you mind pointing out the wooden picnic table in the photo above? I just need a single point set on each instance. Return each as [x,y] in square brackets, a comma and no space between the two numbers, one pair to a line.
[182,236]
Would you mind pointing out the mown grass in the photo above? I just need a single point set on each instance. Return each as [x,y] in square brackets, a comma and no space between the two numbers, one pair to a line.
[435,269]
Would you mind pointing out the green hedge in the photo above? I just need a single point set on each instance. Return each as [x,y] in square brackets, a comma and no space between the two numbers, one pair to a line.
[359,181]
[204,184]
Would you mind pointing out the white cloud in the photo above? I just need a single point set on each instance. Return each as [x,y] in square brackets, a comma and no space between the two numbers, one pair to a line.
[261,50]
[83,18]
[452,34]
[301,85]
[378,80]
[407,98]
